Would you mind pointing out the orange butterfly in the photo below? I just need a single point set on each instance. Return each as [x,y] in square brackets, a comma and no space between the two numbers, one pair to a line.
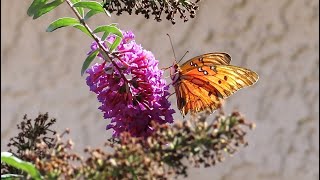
[203,81]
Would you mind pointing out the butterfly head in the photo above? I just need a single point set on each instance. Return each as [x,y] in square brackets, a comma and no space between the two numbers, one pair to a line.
[174,72]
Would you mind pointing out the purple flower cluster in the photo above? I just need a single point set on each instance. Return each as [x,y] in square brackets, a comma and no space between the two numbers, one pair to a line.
[131,90]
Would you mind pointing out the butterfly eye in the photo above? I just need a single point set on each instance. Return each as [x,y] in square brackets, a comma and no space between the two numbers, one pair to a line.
[183,102]
[175,66]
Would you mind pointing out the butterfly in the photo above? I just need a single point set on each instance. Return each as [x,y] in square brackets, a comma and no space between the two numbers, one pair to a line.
[202,82]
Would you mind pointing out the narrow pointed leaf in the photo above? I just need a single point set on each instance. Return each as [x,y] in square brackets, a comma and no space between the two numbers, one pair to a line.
[47,8]
[88,61]
[35,6]
[79,9]
[83,29]
[113,24]
[115,44]
[90,14]
[104,36]
[11,176]
[93,5]
[11,160]
[105,10]
[109,29]
[62,22]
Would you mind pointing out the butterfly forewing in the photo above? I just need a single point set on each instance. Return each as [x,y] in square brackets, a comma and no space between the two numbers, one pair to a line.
[209,59]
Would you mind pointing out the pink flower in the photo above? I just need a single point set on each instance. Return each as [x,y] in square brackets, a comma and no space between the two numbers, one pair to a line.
[132,91]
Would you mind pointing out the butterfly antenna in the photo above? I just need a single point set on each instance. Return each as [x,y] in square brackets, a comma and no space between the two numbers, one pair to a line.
[174,54]
[170,95]
[183,56]
[165,68]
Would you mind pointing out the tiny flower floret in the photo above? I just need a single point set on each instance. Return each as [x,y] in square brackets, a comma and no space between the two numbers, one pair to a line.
[131,89]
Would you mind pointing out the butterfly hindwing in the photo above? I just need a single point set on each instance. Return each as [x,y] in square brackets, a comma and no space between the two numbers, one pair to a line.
[194,98]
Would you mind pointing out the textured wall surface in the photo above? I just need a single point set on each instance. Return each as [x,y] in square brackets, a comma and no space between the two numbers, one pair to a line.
[40,72]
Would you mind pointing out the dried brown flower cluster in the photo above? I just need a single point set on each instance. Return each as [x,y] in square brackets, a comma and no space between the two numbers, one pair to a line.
[163,155]
[38,143]
[58,162]
[154,7]
[31,132]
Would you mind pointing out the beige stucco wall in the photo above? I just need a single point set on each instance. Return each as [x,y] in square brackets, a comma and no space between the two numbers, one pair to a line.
[40,72]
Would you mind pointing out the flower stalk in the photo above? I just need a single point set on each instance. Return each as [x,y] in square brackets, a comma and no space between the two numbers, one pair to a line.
[95,37]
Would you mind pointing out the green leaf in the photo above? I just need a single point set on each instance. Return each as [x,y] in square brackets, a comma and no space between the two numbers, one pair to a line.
[105,10]
[47,8]
[115,44]
[83,29]
[79,9]
[88,61]
[11,176]
[35,6]
[113,24]
[104,36]
[90,14]
[62,22]
[93,5]
[109,29]
[11,160]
